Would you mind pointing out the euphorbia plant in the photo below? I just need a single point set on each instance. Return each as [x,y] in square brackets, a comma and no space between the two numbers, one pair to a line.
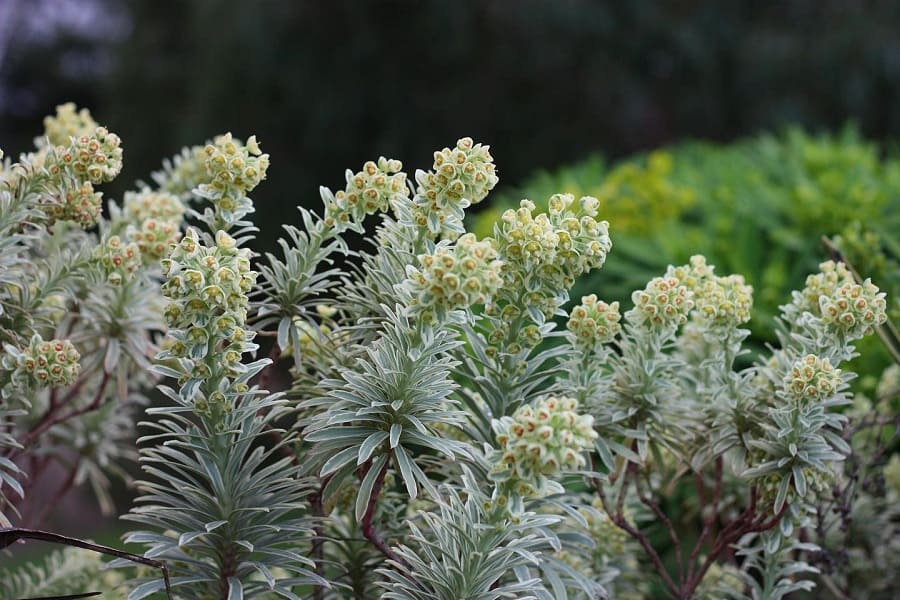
[429,445]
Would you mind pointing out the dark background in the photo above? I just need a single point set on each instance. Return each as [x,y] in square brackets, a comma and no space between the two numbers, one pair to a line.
[328,84]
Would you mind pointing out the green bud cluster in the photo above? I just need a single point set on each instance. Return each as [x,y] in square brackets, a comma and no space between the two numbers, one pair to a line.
[812,379]
[96,158]
[43,363]
[367,192]
[456,276]
[119,260]
[853,309]
[537,444]
[233,168]
[207,290]
[594,323]
[460,177]
[664,303]
[67,123]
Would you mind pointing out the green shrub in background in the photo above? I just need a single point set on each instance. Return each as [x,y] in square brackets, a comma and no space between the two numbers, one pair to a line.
[758,206]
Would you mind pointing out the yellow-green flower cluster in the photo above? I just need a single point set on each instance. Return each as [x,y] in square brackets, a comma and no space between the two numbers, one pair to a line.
[537,444]
[664,303]
[207,290]
[723,302]
[455,276]
[547,252]
[369,191]
[149,204]
[207,283]
[830,277]
[154,239]
[720,303]
[43,363]
[154,222]
[594,323]
[119,260]
[562,243]
[854,309]
[460,177]
[812,379]
[233,169]
[96,158]
[67,123]
[78,203]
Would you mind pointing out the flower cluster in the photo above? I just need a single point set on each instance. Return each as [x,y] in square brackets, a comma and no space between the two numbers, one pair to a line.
[150,204]
[456,276]
[723,303]
[207,289]
[594,322]
[539,443]
[119,260]
[78,203]
[67,123]
[460,177]
[664,303]
[854,309]
[96,158]
[830,277]
[43,363]
[720,303]
[544,254]
[233,169]
[811,379]
[369,191]
[152,220]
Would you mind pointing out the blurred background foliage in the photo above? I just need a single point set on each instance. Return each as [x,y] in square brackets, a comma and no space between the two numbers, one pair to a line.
[757,207]
[328,85]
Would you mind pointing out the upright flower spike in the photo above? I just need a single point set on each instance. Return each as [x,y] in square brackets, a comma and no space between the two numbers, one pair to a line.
[208,288]
[234,168]
[459,178]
